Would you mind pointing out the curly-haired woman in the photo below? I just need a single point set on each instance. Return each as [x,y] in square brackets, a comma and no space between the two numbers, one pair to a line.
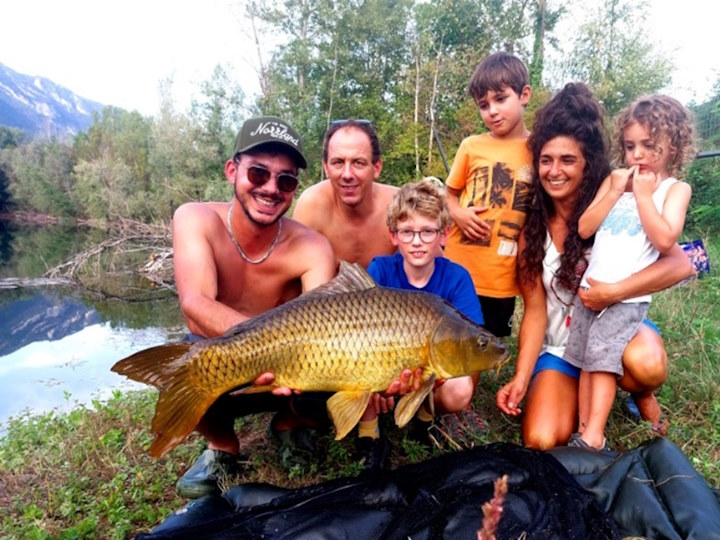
[569,148]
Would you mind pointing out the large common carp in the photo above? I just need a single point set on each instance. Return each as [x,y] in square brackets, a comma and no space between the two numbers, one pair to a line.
[349,336]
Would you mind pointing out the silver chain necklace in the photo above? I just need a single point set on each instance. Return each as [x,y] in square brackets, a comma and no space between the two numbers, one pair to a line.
[240,250]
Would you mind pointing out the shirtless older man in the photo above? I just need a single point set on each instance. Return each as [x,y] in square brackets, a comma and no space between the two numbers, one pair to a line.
[350,207]
[236,260]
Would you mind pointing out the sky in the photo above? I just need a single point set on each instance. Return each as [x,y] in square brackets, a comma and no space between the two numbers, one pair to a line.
[116,52]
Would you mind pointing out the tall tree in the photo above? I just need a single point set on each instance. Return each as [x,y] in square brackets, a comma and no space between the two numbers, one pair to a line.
[545,20]
[178,164]
[10,138]
[341,60]
[39,176]
[217,115]
[218,111]
[614,54]
[452,37]
[111,175]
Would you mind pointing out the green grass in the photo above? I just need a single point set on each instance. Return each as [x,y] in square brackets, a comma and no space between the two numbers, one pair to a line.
[86,474]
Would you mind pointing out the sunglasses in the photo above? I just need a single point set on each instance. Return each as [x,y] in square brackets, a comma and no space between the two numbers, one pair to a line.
[259,176]
[360,121]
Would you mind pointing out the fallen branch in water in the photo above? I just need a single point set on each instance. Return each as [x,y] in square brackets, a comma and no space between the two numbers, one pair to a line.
[136,237]
[69,268]
[159,269]
[16,283]
[115,267]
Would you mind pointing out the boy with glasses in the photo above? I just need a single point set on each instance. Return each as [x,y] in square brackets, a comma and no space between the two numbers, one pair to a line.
[418,221]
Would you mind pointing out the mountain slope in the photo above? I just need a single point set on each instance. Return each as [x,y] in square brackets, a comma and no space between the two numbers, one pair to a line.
[42,108]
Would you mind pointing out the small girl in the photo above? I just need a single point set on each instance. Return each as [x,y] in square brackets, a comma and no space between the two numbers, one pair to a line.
[637,213]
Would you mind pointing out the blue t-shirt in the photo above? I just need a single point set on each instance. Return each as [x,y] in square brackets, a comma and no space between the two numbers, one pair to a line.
[449,281]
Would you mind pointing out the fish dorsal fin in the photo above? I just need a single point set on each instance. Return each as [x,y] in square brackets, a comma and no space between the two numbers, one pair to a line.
[351,278]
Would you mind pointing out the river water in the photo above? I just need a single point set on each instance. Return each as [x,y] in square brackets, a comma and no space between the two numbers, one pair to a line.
[57,344]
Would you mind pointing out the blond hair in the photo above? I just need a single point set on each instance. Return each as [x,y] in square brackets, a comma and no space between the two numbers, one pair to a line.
[662,115]
[426,197]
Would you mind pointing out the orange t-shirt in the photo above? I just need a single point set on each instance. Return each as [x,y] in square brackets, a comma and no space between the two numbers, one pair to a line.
[495,173]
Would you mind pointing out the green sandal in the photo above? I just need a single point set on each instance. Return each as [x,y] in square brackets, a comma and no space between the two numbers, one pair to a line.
[211,470]
[296,447]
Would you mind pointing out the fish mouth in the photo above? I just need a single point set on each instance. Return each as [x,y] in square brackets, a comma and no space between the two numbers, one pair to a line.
[502,359]
[498,347]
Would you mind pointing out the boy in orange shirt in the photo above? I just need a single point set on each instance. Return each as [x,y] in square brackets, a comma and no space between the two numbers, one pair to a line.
[489,188]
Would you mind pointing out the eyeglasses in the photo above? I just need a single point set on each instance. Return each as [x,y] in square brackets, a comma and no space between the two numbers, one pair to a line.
[408,235]
[259,176]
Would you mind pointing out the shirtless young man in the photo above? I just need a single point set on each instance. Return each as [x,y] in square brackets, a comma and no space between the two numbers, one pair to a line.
[236,260]
[350,207]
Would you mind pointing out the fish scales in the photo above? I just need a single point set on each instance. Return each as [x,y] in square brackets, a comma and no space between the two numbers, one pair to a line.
[364,340]
[349,336]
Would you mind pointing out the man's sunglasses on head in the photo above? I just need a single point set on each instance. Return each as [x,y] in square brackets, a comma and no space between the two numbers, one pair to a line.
[349,120]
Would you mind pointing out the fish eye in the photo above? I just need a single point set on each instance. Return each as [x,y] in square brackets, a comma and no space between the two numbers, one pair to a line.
[483,342]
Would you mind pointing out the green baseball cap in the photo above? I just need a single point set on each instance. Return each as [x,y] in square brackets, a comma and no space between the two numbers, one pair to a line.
[269,130]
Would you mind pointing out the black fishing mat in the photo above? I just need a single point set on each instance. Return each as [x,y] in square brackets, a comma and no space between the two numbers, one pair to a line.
[651,491]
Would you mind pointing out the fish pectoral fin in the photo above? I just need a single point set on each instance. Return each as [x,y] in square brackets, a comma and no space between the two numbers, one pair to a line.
[409,404]
[346,408]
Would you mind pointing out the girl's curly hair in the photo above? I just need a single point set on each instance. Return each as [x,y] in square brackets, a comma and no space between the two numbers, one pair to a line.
[662,115]
[575,113]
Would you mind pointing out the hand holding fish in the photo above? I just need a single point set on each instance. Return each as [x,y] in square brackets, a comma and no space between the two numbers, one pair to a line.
[407,382]
[383,402]
[267,379]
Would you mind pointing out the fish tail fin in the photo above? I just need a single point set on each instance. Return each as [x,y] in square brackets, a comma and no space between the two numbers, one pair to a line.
[180,405]
[178,411]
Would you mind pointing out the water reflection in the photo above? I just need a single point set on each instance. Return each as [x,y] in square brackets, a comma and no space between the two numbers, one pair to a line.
[59,375]
[7,230]
[56,350]
[57,344]
[40,316]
